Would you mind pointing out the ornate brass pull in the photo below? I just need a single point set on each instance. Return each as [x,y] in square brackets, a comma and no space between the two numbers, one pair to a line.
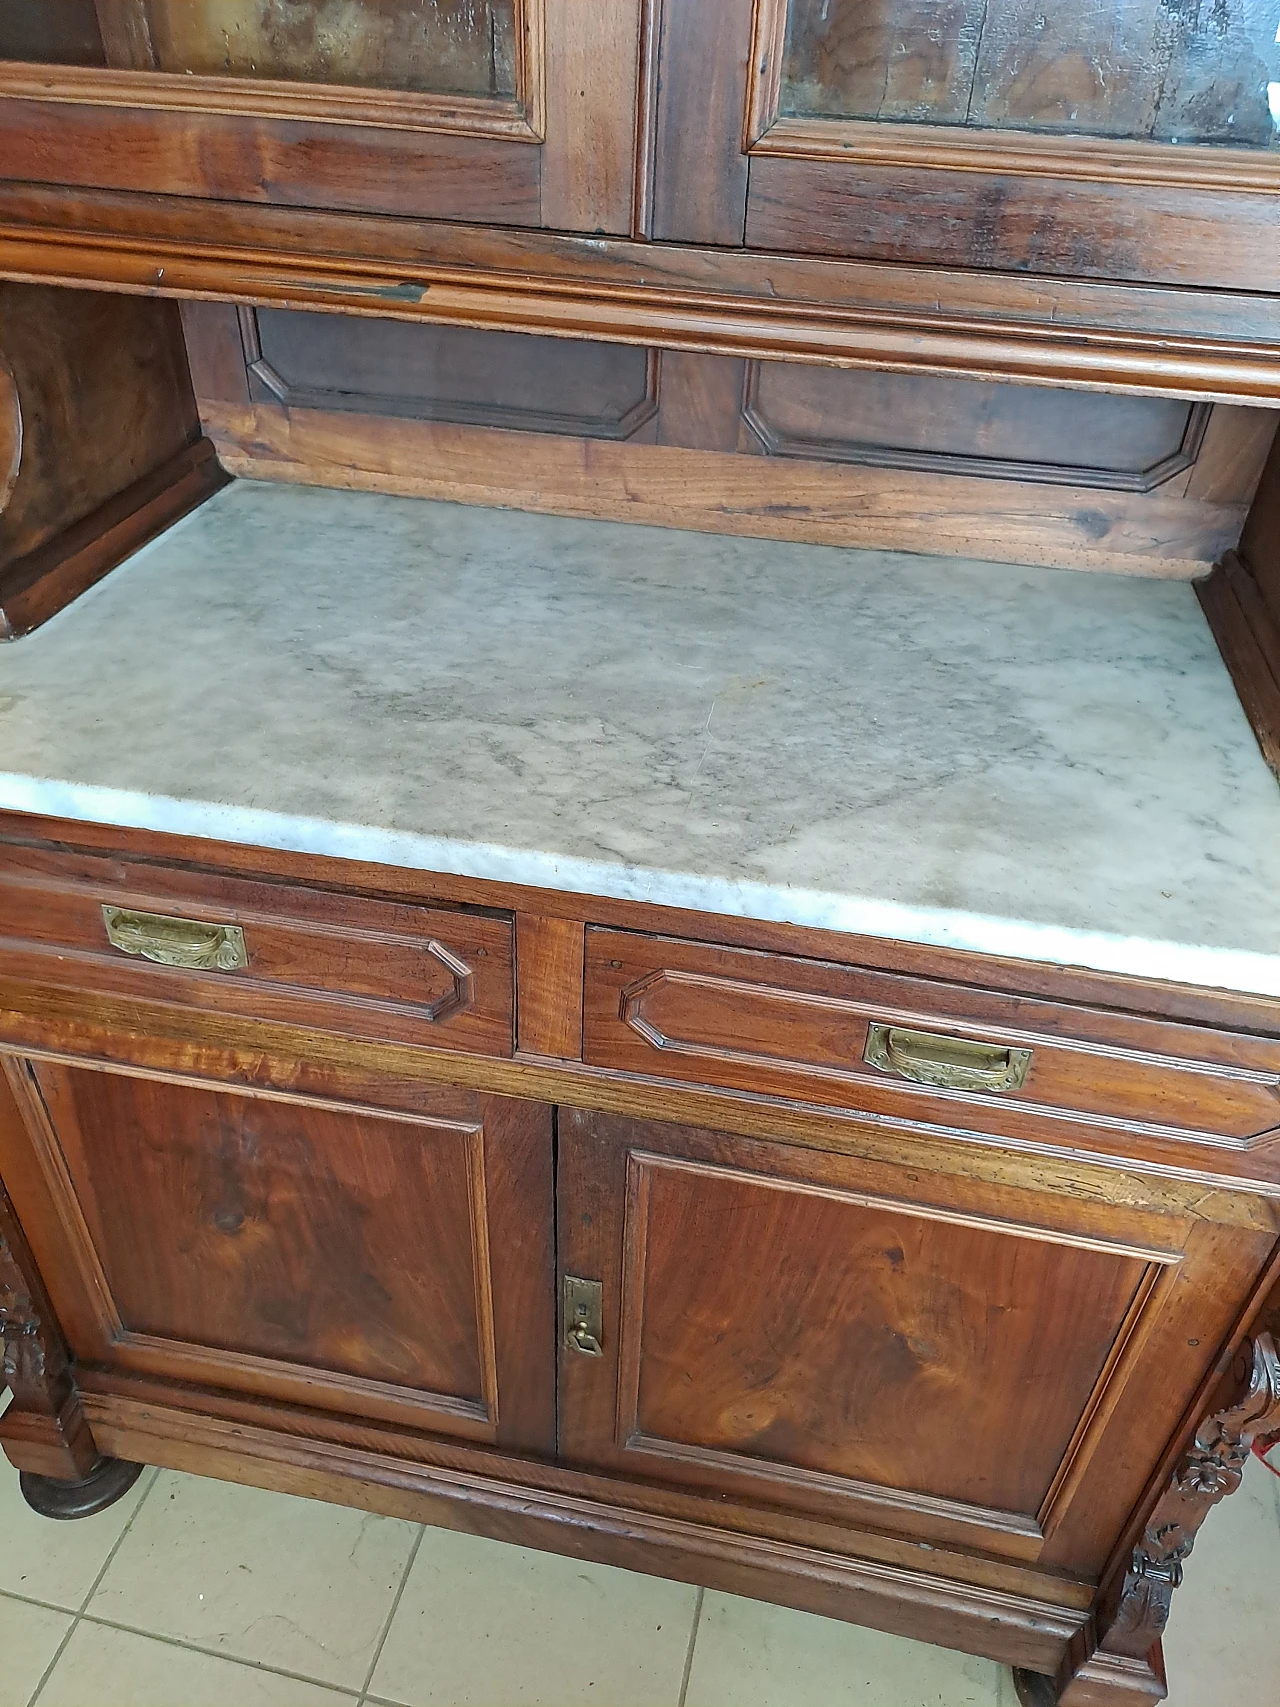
[950,1063]
[190,943]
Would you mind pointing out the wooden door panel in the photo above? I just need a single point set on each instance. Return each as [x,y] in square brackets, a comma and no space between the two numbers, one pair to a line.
[519,112]
[934,1357]
[384,1265]
[1123,143]
[863,1343]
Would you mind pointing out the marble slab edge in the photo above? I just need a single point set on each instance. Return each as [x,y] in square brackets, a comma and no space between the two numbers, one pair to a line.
[1235,970]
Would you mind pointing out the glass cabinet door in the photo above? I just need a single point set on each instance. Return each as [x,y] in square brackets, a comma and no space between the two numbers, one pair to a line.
[1173,71]
[457,47]
[1136,140]
[474,109]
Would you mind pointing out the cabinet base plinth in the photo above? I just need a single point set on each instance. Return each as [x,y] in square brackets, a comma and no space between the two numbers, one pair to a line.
[109,1480]
[1104,1680]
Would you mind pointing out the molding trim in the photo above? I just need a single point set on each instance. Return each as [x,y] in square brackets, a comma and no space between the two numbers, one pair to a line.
[573,1518]
[999,153]
[1142,340]
[1024,154]
[518,119]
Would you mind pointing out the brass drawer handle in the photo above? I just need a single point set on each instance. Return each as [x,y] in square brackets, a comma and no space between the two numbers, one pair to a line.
[190,943]
[951,1063]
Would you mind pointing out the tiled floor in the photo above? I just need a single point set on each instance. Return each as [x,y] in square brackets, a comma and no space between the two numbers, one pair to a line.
[197,1594]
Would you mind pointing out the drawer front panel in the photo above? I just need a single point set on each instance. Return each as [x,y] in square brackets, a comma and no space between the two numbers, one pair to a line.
[310,957]
[883,1043]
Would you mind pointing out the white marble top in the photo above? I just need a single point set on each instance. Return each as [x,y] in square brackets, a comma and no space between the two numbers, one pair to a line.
[1026,762]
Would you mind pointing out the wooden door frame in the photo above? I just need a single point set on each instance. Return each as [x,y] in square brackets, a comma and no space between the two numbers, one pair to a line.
[560,154]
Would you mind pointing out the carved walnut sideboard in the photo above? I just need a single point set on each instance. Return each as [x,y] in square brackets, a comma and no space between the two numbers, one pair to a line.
[768,1199]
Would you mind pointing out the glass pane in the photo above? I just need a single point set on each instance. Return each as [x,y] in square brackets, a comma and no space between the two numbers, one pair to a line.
[456,47]
[1162,70]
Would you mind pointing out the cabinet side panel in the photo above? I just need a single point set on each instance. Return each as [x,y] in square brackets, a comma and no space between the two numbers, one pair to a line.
[109,450]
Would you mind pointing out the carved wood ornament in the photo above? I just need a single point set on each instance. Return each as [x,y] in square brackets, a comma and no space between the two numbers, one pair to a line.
[1211,1469]
[35,1363]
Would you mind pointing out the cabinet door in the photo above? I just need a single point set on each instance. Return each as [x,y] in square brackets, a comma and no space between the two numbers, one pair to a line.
[923,1354]
[516,111]
[1134,141]
[386,1265]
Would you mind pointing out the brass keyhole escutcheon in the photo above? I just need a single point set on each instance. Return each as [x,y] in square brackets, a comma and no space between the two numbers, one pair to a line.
[584,1316]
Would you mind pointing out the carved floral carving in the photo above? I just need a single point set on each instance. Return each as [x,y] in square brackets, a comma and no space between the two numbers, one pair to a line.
[1211,1469]
[35,1366]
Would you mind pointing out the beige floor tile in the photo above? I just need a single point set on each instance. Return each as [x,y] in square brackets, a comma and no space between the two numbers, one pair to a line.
[749,1655]
[1223,1642]
[482,1624]
[29,1637]
[114,1668]
[56,1561]
[258,1576]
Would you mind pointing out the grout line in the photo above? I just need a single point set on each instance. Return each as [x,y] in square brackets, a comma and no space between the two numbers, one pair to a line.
[49,1669]
[34,1600]
[241,1660]
[93,1589]
[395,1607]
[693,1637]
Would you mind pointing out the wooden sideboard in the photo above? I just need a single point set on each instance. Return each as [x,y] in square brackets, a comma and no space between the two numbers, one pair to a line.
[921,1289]
[936,1290]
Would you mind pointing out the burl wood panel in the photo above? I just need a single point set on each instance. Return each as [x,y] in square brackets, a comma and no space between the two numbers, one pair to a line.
[382,1265]
[812,1330]
[1139,69]
[324,361]
[100,441]
[442,978]
[795,1028]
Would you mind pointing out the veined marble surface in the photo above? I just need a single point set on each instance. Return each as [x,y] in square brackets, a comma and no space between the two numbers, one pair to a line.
[1024,762]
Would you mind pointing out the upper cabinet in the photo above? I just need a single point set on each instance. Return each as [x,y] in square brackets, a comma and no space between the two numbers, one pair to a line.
[519,112]
[1138,140]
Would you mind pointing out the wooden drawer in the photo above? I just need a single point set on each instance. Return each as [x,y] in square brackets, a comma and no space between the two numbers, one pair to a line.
[917,1048]
[318,958]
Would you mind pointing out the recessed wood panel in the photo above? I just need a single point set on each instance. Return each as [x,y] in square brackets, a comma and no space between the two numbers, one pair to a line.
[813,1331]
[345,1242]
[503,379]
[876,1344]
[386,1265]
[971,427]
